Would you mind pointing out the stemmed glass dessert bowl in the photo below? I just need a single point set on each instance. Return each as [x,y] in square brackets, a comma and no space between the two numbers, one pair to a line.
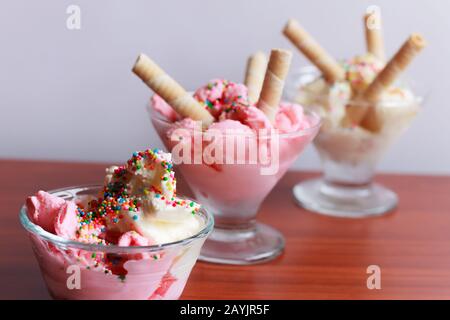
[350,155]
[234,189]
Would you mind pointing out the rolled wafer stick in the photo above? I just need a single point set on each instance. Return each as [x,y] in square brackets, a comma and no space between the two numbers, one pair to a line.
[366,114]
[272,89]
[374,36]
[162,84]
[254,75]
[329,67]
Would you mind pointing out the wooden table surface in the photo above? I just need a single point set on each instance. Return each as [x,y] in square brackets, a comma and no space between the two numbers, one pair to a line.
[325,258]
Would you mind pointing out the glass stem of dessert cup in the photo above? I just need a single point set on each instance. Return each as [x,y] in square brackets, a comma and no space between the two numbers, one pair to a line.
[345,190]
[239,239]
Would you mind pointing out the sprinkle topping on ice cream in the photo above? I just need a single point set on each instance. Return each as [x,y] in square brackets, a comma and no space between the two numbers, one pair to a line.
[226,101]
[220,96]
[361,70]
[138,205]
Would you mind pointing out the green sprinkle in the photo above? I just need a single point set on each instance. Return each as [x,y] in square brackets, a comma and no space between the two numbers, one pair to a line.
[209,104]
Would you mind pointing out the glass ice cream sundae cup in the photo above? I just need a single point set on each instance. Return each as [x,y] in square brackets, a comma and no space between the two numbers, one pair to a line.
[234,191]
[364,107]
[133,272]
[232,148]
[350,155]
[131,238]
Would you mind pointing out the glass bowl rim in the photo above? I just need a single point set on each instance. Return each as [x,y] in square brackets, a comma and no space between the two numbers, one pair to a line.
[60,241]
[292,87]
[155,115]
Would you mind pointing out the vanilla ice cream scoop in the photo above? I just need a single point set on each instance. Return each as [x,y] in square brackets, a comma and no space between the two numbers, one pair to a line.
[148,180]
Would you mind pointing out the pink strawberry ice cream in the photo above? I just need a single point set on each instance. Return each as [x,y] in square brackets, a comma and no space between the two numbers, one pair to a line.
[227,176]
[136,207]
[162,107]
[229,100]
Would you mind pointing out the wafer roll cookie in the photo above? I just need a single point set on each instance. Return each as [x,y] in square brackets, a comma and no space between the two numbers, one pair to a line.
[329,67]
[355,112]
[254,75]
[272,90]
[367,116]
[166,87]
[415,43]
[374,36]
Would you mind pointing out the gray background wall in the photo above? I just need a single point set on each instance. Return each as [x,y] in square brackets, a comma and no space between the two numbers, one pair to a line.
[70,95]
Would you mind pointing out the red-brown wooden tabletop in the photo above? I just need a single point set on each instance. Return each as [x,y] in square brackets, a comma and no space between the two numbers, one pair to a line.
[324,258]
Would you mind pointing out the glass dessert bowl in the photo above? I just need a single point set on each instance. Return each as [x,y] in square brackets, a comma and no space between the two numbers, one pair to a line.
[350,155]
[364,108]
[232,143]
[234,189]
[77,270]
[131,238]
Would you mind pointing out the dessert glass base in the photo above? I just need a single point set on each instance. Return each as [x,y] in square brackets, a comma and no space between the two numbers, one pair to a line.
[257,244]
[347,201]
